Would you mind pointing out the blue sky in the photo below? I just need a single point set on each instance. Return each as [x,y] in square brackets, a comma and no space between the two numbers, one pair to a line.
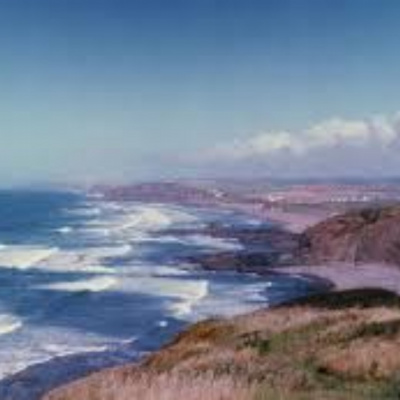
[130,89]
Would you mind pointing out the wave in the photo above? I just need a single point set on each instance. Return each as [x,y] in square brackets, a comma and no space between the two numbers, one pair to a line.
[97,284]
[166,270]
[57,350]
[153,218]
[158,239]
[147,218]
[9,323]
[180,294]
[214,243]
[65,230]
[107,251]
[97,231]
[77,261]
[88,259]
[135,222]
[85,211]
[25,257]
[188,299]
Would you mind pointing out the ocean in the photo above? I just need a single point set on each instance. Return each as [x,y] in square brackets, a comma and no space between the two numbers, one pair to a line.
[87,283]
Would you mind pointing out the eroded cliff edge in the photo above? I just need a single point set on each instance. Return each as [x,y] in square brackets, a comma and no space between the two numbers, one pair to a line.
[369,235]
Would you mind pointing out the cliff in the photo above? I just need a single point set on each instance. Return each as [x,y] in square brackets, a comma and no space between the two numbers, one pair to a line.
[368,235]
[337,345]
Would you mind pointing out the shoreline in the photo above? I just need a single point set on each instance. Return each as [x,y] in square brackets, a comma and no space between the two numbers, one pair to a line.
[342,275]
[66,369]
[330,277]
[336,276]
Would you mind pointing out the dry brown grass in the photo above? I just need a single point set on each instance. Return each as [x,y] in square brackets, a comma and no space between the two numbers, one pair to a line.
[161,387]
[335,346]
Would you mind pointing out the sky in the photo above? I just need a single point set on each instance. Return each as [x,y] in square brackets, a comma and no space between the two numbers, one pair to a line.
[121,90]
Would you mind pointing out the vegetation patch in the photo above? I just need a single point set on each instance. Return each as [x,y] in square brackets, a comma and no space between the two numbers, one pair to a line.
[360,298]
[386,329]
[321,348]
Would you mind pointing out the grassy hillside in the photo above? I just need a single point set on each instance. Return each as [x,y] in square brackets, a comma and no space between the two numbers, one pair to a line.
[343,345]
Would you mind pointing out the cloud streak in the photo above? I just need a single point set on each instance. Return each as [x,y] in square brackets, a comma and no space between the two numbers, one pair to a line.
[332,147]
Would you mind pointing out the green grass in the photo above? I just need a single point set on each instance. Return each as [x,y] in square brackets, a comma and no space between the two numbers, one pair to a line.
[285,341]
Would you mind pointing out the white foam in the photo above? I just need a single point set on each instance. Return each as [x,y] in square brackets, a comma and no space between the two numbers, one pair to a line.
[147,218]
[9,323]
[85,211]
[38,344]
[192,294]
[215,243]
[65,230]
[57,350]
[180,294]
[184,306]
[96,284]
[157,239]
[153,218]
[25,257]
[135,222]
[97,231]
[165,270]
[105,251]
[89,259]
[76,261]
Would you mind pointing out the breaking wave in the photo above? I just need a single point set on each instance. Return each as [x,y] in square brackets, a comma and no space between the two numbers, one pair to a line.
[119,254]
[9,323]
[96,284]
[24,257]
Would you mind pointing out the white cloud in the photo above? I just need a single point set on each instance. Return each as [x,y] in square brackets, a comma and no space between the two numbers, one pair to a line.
[333,133]
[334,146]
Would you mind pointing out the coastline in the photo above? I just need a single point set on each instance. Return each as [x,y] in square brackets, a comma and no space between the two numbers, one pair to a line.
[61,370]
[286,224]
[340,275]
[330,277]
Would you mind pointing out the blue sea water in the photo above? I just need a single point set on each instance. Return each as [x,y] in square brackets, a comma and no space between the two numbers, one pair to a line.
[96,280]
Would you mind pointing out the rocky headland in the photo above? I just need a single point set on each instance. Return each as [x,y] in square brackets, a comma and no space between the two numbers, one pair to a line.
[370,235]
[358,237]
